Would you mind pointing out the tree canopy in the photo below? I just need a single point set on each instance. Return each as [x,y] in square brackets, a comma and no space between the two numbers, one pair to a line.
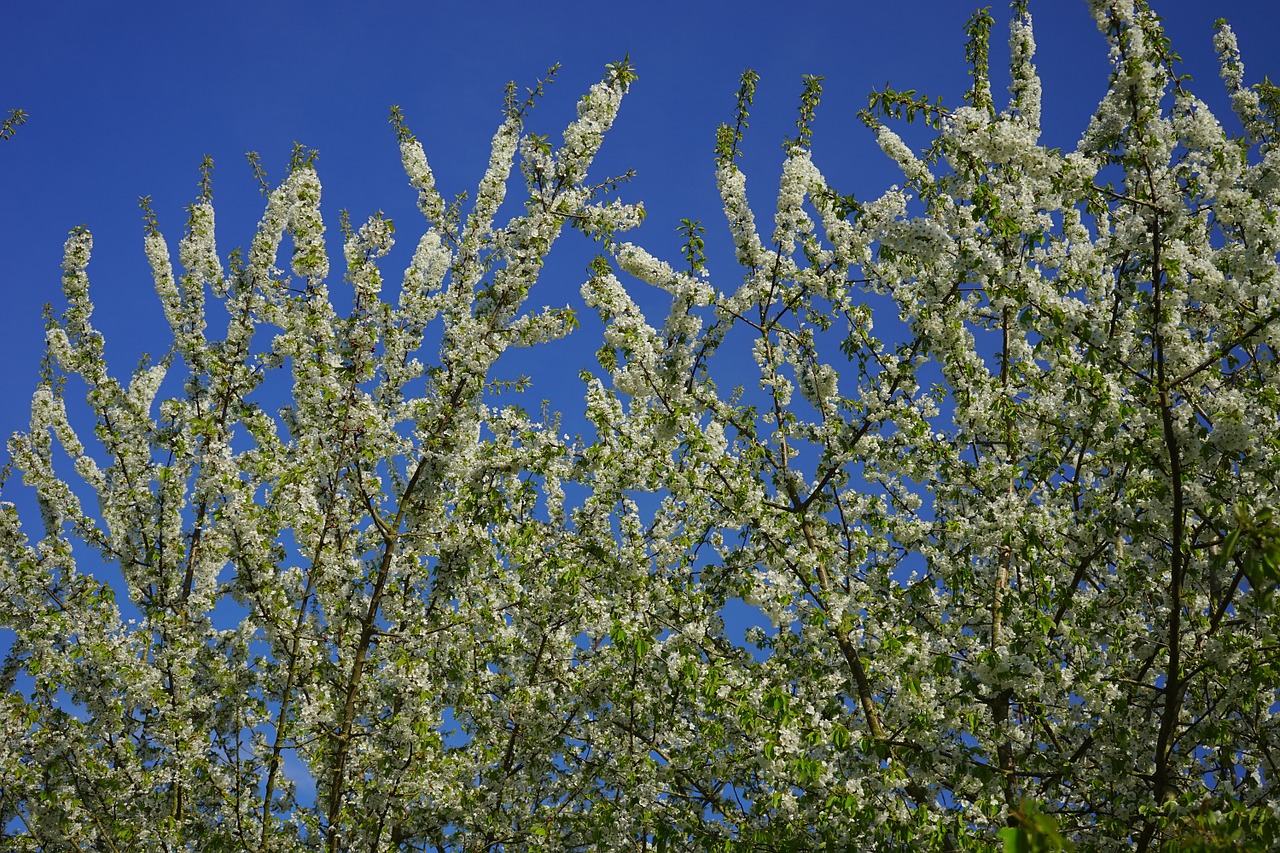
[993,455]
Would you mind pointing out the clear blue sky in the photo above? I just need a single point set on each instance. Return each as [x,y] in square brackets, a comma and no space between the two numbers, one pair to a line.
[125,98]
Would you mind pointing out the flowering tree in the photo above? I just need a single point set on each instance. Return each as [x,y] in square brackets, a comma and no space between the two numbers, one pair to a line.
[1014,555]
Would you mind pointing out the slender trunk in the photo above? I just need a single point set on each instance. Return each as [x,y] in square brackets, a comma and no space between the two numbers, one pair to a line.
[337,778]
[1163,777]
[1000,702]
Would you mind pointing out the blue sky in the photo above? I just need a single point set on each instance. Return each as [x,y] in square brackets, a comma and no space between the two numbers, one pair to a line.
[125,99]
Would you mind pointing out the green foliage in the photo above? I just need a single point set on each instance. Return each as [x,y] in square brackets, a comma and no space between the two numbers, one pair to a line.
[397,122]
[514,108]
[1219,825]
[692,249]
[809,99]
[902,105]
[729,137]
[623,72]
[977,52]
[15,119]
[1255,540]
[1269,97]
[302,157]
[259,171]
[1033,832]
